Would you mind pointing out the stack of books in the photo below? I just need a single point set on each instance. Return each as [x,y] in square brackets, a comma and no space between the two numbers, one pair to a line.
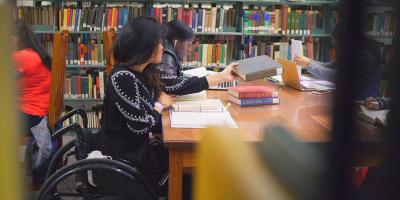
[253,95]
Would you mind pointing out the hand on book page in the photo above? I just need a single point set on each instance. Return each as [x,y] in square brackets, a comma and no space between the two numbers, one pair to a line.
[371,103]
[301,60]
[166,100]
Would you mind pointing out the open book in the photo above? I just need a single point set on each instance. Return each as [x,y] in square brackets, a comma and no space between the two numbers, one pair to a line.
[200,114]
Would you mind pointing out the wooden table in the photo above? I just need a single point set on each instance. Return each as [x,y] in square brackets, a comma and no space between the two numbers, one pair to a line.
[294,112]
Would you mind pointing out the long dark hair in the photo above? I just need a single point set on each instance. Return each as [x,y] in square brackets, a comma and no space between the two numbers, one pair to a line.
[27,39]
[177,29]
[136,44]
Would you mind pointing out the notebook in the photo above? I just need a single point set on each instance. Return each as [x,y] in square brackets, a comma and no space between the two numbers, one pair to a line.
[202,71]
[257,68]
[200,114]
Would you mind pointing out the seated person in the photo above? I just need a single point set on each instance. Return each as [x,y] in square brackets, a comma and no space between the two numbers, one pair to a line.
[369,74]
[134,101]
[33,64]
[177,40]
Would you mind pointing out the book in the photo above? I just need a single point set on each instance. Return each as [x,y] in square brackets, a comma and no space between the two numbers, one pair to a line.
[380,23]
[200,114]
[201,18]
[257,68]
[253,91]
[82,86]
[254,101]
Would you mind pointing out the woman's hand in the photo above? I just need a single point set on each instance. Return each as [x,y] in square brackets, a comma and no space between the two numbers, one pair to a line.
[302,60]
[371,103]
[226,75]
[166,100]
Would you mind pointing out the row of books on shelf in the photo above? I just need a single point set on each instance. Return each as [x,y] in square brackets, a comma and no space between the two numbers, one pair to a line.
[288,20]
[93,120]
[380,24]
[85,49]
[220,18]
[281,19]
[97,18]
[282,49]
[212,54]
[90,86]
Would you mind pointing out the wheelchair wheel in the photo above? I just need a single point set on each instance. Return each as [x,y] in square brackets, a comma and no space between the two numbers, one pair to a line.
[116,176]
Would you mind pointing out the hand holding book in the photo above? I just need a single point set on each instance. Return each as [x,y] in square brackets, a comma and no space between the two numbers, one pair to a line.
[227,75]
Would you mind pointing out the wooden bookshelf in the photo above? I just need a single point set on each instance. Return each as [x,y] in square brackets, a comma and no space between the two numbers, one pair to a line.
[237,32]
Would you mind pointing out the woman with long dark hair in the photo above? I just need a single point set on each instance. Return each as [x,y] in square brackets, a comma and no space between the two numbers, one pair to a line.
[178,36]
[33,64]
[134,101]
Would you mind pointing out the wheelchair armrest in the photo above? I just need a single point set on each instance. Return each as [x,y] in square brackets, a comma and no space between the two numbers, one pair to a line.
[78,111]
[73,127]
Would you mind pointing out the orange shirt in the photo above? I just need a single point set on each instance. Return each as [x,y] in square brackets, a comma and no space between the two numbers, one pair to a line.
[34,82]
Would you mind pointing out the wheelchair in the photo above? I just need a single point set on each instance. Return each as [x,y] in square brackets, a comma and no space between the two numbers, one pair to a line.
[94,178]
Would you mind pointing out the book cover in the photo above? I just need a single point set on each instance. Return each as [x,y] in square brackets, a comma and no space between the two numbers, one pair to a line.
[256,91]
[257,68]
[254,101]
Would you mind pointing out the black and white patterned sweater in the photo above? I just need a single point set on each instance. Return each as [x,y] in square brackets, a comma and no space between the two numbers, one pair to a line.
[170,71]
[129,105]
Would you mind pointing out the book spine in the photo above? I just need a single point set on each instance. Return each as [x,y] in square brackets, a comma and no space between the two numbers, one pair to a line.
[259,101]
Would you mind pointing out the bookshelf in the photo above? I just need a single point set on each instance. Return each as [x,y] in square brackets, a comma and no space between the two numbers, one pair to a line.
[231,34]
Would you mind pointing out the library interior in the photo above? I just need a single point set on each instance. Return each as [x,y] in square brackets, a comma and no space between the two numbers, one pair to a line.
[199,99]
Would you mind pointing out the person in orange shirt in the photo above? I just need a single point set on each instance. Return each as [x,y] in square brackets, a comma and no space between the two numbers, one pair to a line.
[34,66]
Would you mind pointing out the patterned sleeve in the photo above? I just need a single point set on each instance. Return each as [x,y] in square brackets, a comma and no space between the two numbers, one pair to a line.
[181,85]
[136,109]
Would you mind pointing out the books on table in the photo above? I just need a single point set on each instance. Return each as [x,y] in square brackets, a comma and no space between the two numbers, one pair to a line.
[257,68]
[253,95]
[200,114]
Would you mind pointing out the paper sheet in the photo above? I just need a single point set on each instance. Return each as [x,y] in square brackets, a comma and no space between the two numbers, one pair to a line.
[200,114]
[296,48]
[201,119]
[375,114]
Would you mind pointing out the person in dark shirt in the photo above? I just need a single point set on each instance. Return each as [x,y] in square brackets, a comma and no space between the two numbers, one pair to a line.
[369,74]
[133,103]
[178,37]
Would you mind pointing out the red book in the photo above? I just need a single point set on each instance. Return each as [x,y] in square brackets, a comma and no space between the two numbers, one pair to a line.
[97,87]
[190,18]
[253,91]
[116,19]
[309,22]
[69,18]
[285,10]
[180,13]
[82,54]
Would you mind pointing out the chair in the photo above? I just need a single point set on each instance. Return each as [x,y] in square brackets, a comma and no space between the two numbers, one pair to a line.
[91,178]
